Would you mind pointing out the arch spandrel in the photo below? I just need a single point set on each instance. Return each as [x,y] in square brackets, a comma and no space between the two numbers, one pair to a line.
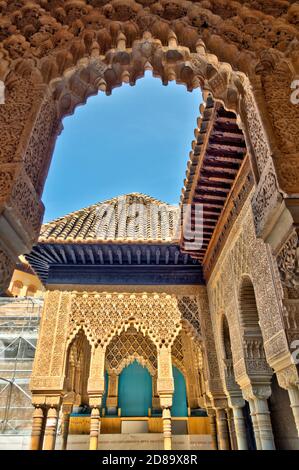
[155,315]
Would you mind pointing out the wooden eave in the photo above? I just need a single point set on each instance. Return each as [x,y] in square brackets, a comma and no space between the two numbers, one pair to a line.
[217,162]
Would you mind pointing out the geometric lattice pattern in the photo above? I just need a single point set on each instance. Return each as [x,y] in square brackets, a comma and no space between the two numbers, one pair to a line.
[189,309]
[177,353]
[102,315]
[127,347]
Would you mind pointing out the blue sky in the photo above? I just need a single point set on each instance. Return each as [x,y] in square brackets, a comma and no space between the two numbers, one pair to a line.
[136,140]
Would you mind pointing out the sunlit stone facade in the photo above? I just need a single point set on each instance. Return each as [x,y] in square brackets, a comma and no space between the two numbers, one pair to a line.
[242,274]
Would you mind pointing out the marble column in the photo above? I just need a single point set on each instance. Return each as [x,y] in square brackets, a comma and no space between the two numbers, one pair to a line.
[94,428]
[231,429]
[255,424]
[166,416]
[222,428]
[264,424]
[51,428]
[165,389]
[293,392]
[38,424]
[96,390]
[65,424]
[240,428]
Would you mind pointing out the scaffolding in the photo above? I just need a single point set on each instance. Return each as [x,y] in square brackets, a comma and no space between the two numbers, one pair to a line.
[19,323]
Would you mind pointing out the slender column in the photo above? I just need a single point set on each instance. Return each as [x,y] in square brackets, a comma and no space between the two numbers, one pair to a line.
[94,428]
[51,428]
[294,400]
[96,389]
[166,416]
[38,420]
[255,424]
[65,424]
[240,428]
[213,428]
[165,389]
[264,424]
[223,436]
[231,429]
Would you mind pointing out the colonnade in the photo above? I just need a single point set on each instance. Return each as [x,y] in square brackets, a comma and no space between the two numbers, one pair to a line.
[229,426]
[49,410]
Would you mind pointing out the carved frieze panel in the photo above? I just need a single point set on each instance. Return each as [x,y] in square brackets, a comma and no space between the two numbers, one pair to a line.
[245,255]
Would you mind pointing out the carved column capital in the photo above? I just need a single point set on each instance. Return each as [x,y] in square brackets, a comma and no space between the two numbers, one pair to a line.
[251,392]
[288,377]
[236,402]
[220,403]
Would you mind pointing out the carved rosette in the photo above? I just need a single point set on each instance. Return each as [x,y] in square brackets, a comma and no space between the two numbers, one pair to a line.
[262,392]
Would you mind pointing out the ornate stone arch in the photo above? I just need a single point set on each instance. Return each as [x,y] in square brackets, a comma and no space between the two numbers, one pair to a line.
[228,373]
[127,346]
[253,344]
[140,359]
[55,55]
[78,353]
[249,315]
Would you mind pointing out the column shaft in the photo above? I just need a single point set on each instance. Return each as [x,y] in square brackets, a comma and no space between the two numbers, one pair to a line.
[240,428]
[294,400]
[223,436]
[255,425]
[264,424]
[166,416]
[37,429]
[94,428]
[231,429]
[51,429]
[65,430]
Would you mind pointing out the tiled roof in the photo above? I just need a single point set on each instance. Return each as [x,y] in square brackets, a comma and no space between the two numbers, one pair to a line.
[131,217]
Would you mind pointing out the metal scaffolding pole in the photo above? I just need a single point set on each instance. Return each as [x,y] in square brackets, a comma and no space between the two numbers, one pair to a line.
[19,323]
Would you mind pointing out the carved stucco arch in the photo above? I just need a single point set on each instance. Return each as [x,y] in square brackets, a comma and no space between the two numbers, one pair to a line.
[142,359]
[145,349]
[248,309]
[155,315]
[133,321]
[76,368]
[68,30]
[44,41]
[256,368]
[126,361]
[227,371]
